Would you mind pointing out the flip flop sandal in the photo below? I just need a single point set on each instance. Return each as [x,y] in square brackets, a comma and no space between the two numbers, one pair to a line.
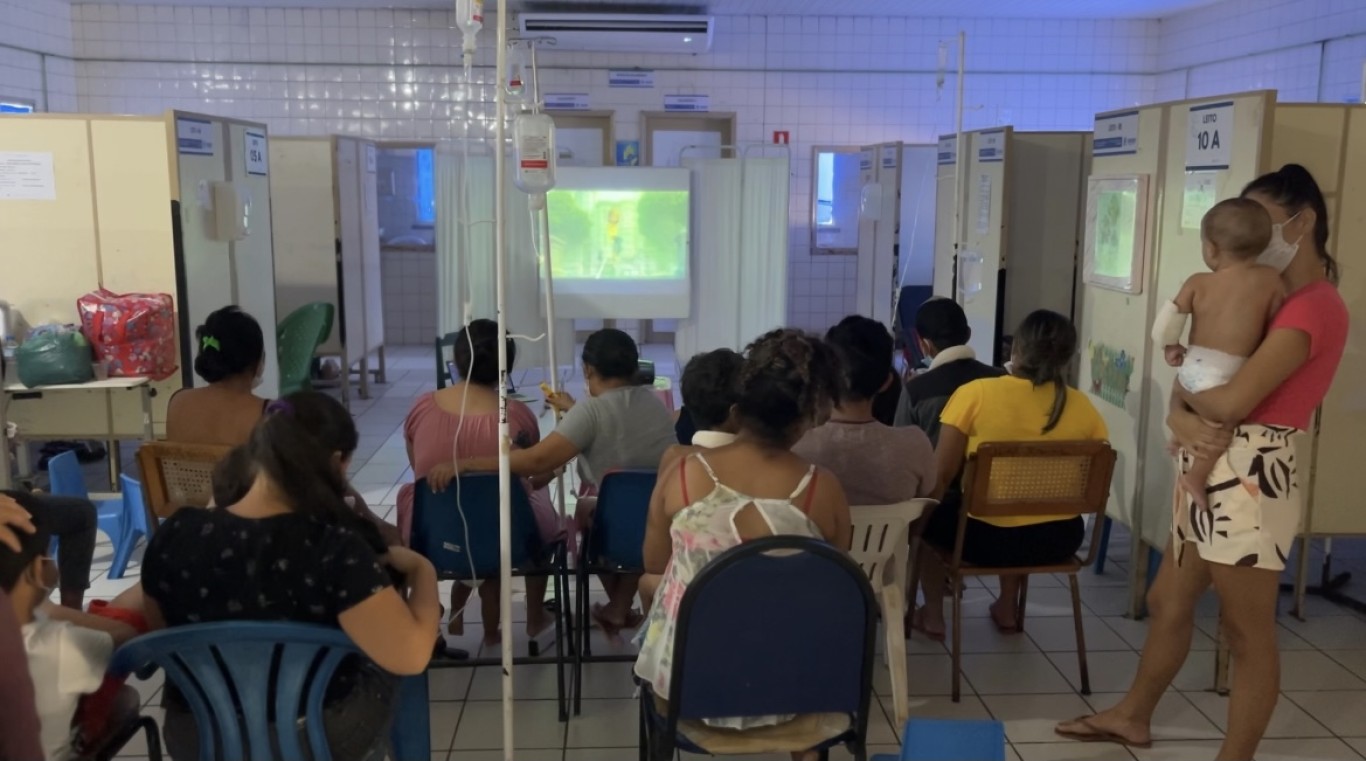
[1095,735]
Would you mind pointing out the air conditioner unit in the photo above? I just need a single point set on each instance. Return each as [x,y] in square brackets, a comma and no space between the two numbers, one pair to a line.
[620,33]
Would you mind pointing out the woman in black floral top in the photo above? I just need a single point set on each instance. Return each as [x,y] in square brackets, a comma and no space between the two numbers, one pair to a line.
[291,550]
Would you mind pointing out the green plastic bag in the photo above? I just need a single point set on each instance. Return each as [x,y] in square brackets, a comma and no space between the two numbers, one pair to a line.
[53,356]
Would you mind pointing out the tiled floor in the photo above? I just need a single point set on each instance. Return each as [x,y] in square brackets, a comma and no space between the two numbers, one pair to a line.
[1027,681]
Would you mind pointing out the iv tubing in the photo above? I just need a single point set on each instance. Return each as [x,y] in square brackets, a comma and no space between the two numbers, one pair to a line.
[504,438]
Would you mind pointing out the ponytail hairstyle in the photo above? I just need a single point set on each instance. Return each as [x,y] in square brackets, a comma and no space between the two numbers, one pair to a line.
[1042,351]
[789,378]
[476,353]
[229,344]
[1294,189]
[296,446]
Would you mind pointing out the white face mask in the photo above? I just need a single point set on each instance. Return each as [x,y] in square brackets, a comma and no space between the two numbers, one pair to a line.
[1279,253]
[259,379]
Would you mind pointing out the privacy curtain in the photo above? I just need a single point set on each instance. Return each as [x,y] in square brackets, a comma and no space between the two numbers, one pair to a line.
[739,253]
[465,273]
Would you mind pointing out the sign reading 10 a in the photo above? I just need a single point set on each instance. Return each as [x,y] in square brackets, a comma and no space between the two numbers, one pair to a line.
[1209,139]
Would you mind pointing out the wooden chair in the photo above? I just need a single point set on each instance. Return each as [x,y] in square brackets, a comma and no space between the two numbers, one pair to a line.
[178,475]
[881,547]
[1023,479]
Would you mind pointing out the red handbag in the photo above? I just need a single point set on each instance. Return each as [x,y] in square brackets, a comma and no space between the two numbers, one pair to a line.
[134,333]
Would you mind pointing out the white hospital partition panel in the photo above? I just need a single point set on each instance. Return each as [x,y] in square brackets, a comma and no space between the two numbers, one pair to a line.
[919,178]
[985,218]
[253,257]
[1330,141]
[1113,326]
[948,200]
[739,253]
[1179,256]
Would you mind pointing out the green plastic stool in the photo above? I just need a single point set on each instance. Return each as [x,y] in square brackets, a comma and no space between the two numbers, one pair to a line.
[297,340]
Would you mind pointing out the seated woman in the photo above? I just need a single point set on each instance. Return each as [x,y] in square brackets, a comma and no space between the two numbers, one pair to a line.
[232,356]
[66,655]
[620,426]
[711,389]
[461,422]
[876,463]
[289,549]
[749,489]
[1032,404]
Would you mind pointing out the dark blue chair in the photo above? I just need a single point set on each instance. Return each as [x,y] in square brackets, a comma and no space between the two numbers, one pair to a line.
[613,544]
[458,531]
[114,515]
[248,684]
[135,525]
[781,625]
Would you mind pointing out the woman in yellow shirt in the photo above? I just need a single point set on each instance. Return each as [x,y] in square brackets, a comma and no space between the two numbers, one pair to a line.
[1033,403]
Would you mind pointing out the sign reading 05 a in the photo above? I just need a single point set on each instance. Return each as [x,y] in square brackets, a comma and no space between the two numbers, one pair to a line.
[1209,138]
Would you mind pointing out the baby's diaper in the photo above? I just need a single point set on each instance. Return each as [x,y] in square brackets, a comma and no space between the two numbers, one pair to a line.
[1205,368]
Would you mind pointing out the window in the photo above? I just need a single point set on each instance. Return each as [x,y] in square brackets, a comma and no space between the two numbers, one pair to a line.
[836,186]
[425,193]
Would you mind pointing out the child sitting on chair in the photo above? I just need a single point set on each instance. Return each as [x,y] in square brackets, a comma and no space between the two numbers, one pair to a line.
[1229,309]
[711,389]
[68,651]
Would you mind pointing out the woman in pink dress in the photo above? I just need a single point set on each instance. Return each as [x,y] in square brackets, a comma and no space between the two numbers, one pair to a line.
[459,423]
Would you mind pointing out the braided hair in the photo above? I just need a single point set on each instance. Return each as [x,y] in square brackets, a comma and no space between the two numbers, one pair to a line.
[789,378]
[1043,349]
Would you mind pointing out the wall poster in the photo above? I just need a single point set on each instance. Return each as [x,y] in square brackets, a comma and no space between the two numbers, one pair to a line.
[1116,232]
[1111,370]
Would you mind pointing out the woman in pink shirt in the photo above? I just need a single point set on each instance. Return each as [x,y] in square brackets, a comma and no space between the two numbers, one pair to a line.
[1240,542]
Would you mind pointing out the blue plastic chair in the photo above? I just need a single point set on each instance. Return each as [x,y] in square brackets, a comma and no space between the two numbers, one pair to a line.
[458,531]
[951,740]
[114,519]
[232,674]
[748,627]
[135,526]
[614,543]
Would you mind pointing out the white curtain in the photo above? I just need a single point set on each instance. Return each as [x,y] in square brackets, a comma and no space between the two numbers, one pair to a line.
[467,277]
[739,259]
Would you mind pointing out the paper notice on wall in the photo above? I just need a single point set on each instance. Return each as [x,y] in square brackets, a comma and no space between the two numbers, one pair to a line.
[27,176]
[1198,198]
[983,204]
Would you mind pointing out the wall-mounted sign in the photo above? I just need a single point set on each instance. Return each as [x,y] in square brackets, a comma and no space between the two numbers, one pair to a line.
[1209,138]
[257,156]
[27,176]
[992,146]
[689,103]
[637,78]
[865,160]
[371,158]
[628,153]
[194,136]
[1116,134]
[948,149]
[889,157]
[566,101]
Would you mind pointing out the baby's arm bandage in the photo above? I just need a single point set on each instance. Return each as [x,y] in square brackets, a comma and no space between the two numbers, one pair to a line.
[1169,325]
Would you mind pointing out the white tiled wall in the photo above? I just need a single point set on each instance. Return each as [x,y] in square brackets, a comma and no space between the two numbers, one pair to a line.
[1309,50]
[35,34]
[826,80]
[409,297]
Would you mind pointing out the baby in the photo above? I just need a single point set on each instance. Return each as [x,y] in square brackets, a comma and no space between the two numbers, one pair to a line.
[1230,306]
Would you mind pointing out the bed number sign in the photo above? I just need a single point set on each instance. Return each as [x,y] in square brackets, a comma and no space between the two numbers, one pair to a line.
[1209,139]
[258,156]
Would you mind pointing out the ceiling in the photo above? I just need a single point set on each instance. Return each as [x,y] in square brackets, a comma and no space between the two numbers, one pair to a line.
[910,8]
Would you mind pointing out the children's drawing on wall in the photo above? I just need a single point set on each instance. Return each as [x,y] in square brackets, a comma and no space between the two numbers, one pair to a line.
[1111,370]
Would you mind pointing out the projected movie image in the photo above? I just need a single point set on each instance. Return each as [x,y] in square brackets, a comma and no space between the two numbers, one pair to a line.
[619,234]
[619,242]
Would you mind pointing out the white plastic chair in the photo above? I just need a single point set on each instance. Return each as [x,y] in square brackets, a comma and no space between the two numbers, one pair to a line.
[881,547]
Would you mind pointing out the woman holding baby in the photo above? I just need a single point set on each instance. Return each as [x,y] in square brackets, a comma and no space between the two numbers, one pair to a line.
[1237,535]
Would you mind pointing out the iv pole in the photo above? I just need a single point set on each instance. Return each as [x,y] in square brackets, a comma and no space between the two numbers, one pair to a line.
[960,169]
[504,437]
